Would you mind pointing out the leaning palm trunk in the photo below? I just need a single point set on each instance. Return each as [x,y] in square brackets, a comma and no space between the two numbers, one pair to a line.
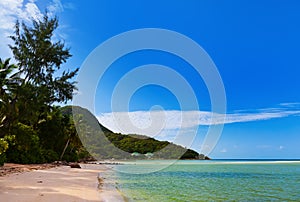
[66,146]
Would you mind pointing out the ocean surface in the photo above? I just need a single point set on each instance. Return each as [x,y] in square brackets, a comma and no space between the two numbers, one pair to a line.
[214,180]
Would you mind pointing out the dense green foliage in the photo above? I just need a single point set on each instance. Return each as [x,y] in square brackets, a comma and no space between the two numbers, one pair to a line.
[3,148]
[32,130]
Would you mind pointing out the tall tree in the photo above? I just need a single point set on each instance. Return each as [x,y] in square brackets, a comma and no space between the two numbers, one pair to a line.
[34,130]
[39,57]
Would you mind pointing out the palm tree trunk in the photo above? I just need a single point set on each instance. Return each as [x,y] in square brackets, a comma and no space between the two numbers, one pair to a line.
[67,144]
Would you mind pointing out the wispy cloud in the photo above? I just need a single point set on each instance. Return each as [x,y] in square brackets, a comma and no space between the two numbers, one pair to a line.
[223,150]
[145,122]
[55,7]
[13,10]
[290,104]
[69,5]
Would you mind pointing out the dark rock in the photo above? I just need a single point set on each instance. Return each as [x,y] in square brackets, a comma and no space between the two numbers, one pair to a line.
[59,163]
[207,158]
[74,165]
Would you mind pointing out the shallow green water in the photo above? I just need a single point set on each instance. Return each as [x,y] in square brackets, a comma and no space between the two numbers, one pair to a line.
[213,181]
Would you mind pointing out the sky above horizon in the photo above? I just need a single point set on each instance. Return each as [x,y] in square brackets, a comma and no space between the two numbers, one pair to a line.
[254,45]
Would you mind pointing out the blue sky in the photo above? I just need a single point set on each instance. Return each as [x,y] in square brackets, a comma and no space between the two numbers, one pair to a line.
[254,45]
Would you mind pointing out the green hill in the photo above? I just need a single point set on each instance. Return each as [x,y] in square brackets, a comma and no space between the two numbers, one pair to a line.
[105,144]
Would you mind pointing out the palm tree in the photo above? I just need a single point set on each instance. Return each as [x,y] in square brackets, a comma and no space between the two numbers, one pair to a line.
[9,81]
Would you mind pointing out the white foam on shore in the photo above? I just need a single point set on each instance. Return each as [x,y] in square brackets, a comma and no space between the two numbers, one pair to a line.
[108,188]
[207,162]
[257,162]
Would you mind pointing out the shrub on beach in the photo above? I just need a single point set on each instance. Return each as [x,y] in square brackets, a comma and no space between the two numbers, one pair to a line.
[49,155]
[24,146]
[2,159]
[70,156]
[3,148]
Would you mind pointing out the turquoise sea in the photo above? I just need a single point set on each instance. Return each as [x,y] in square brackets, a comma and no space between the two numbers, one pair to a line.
[215,180]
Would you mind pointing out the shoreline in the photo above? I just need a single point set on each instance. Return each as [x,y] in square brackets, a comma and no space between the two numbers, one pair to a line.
[59,183]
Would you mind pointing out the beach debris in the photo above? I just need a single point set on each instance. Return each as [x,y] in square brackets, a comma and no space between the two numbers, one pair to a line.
[59,163]
[100,182]
[10,168]
[40,181]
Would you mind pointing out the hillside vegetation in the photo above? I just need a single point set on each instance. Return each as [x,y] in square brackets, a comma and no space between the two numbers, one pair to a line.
[103,143]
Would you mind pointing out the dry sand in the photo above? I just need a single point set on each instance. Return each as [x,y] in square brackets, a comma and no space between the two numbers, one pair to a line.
[10,168]
[58,184]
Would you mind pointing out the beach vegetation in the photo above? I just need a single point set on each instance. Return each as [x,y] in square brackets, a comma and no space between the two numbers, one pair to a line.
[32,126]
[3,148]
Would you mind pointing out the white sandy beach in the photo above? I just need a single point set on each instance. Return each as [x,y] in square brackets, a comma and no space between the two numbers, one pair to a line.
[57,184]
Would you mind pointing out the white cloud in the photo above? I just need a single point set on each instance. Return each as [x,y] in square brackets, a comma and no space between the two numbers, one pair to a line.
[145,122]
[69,5]
[181,127]
[154,122]
[55,7]
[223,150]
[32,11]
[281,147]
[290,104]
[13,10]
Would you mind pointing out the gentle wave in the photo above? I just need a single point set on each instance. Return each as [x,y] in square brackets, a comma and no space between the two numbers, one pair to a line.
[201,162]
